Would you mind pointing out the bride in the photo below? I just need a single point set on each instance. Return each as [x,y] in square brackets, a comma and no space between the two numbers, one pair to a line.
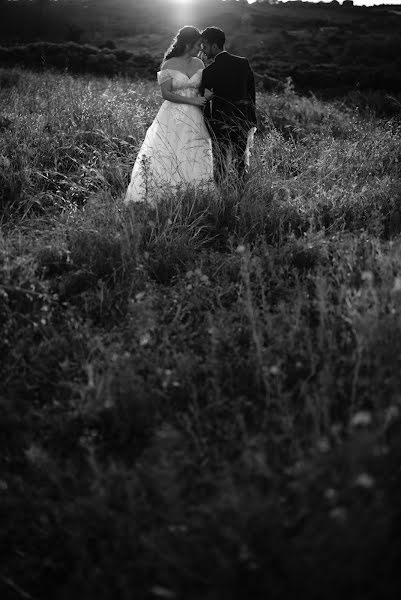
[177,149]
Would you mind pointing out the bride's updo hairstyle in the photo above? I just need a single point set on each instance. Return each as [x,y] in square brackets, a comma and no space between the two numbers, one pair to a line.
[187,36]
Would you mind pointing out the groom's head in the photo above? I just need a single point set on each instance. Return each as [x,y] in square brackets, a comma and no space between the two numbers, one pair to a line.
[213,40]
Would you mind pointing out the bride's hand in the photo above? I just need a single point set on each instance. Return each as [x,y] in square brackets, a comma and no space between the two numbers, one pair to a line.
[200,101]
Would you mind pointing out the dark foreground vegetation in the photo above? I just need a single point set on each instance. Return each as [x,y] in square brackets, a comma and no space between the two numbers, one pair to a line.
[201,401]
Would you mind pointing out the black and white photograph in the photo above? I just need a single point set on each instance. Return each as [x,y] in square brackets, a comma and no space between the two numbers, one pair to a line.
[200,299]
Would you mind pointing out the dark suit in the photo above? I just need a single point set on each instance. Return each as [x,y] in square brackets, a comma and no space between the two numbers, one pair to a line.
[231,113]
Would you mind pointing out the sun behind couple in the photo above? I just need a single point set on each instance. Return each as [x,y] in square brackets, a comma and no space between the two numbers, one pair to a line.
[207,114]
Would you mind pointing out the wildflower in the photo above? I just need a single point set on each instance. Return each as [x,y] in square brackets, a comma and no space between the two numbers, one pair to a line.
[381,450]
[166,377]
[241,249]
[162,592]
[331,494]
[364,480]
[363,418]
[108,403]
[144,339]
[391,414]
[339,514]
[323,444]
[64,365]
[178,528]
[36,455]
[274,370]
[367,276]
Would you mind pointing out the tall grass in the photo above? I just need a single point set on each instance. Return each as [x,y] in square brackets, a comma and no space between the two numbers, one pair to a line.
[199,400]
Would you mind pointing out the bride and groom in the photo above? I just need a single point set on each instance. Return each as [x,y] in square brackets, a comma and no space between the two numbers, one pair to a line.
[208,115]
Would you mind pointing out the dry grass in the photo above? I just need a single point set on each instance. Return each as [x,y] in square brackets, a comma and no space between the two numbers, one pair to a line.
[198,401]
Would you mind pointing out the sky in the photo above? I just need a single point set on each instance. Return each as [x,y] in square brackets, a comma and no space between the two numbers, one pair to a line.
[356,2]
[396,3]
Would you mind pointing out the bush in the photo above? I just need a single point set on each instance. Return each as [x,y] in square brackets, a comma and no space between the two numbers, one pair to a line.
[80,58]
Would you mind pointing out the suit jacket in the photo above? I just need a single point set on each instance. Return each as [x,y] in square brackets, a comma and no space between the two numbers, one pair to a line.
[233,84]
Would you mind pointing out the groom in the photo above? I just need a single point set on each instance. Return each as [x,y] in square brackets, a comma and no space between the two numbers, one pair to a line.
[231,112]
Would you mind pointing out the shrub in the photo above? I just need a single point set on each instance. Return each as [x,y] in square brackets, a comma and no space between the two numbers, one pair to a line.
[80,58]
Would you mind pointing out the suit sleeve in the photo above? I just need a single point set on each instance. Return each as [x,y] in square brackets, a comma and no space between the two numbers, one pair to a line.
[252,94]
[205,83]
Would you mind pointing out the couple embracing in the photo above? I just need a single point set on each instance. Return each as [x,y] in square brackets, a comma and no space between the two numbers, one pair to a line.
[207,116]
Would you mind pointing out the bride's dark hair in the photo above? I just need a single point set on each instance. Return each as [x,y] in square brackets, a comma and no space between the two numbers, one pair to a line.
[187,35]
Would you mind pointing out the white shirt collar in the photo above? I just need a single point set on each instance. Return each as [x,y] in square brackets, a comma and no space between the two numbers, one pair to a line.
[221,52]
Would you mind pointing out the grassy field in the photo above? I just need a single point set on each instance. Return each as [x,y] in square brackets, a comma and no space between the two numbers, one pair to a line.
[200,401]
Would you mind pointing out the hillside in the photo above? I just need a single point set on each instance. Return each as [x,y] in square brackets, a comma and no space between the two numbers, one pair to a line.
[326,48]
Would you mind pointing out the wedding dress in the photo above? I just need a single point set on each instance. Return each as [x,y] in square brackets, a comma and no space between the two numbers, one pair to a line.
[177,149]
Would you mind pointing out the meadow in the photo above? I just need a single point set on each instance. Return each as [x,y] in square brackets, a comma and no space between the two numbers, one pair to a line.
[200,400]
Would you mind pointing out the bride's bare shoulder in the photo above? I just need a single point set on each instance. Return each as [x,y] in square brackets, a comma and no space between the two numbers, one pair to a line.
[168,64]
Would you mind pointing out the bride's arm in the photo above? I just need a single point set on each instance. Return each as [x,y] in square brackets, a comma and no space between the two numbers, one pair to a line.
[167,94]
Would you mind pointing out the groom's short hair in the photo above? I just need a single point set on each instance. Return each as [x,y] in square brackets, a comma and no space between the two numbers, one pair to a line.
[214,35]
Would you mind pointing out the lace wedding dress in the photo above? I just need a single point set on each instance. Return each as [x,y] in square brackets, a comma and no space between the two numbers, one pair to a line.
[177,149]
